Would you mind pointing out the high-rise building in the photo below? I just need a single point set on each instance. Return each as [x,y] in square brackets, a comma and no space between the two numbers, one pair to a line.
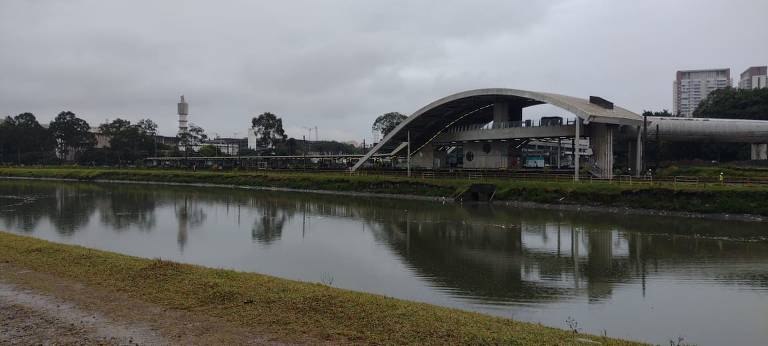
[692,86]
[755,77]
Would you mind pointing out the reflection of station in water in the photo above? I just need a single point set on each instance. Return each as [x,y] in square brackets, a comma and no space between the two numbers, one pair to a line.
[188,216]
[530,261]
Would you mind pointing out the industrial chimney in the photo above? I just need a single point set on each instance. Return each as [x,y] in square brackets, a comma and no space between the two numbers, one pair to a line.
[183,112]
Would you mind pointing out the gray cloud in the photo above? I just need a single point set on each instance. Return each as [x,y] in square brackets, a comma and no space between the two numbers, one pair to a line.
[338,64]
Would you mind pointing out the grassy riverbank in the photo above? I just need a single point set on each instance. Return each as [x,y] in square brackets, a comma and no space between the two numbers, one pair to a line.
[291,310]
[713,171]
[701,198]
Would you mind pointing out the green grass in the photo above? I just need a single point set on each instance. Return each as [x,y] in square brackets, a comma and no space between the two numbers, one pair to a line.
[288,309]
[728,170]
[702,198]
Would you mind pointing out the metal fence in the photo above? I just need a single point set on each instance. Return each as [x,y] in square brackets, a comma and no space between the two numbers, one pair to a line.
[562,177]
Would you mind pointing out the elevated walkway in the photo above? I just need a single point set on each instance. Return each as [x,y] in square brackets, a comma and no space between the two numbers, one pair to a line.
[481,132]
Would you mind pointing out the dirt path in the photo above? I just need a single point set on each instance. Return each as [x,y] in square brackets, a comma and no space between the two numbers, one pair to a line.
[40,309]
[28,318]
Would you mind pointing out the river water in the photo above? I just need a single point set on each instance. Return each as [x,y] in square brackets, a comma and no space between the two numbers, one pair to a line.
[640,277]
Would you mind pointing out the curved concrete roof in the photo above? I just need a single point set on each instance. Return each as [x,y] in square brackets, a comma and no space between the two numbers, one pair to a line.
[476,106]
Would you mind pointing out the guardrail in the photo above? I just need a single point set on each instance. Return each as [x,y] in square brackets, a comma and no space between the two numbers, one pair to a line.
[563,177]
[559,176]
[554,176]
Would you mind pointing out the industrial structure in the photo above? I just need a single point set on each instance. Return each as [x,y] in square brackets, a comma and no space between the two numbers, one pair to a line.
[753,132]
[484,129]
[183,110]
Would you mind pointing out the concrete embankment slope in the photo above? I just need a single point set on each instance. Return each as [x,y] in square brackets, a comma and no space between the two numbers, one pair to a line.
[689,198]
[284,310]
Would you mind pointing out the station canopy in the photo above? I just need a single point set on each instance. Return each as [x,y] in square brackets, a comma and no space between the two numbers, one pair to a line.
[476,107]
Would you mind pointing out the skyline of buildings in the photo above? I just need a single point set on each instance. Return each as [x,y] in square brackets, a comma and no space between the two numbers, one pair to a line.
[690,87]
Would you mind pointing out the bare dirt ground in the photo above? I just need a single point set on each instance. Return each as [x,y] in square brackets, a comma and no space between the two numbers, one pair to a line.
[38,309]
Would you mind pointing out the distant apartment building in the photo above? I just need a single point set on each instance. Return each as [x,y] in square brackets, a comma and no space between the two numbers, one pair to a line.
[755,77]
[692,86]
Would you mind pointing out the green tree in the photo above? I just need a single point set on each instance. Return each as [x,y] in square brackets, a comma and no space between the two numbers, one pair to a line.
[730,103]
[208,150]
[6,134]
[385,123]
[664,113]
[73,135]
[24,138]
[129,141]
[147,126]
[194,136]
[269,130]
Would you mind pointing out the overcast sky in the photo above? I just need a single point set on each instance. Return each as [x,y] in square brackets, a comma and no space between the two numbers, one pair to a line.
[338,64]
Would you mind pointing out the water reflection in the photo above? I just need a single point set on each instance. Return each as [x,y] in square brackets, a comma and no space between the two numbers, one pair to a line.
[479,257]
[68,208]
[189,215]
[479,251]
[121,210]
[268,227]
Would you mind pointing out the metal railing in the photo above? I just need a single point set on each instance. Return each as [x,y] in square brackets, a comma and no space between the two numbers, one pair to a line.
[554,175]
[563,176]
[505,125]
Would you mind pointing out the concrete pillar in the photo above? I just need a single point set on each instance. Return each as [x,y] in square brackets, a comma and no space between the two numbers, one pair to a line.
[639,154]
[559,154]
[500,112]
[576,137]
[505,111]
[425,158]
[601,141]
[759,152]
[634,158]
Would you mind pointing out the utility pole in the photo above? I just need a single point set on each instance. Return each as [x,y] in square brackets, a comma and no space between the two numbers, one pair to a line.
[237,142]
[409,154]
[658,144]
[576,145]
[306,148]
[645,142]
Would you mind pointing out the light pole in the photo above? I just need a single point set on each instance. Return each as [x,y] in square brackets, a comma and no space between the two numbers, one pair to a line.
[237,141]
[409,154]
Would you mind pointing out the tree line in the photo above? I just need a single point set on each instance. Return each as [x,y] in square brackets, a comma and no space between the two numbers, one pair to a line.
[68,138]
[23,140]
[272,140]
